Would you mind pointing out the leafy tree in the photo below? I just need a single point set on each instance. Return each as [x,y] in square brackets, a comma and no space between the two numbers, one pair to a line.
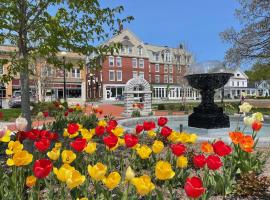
[259,72]
[40,29]
[252,42]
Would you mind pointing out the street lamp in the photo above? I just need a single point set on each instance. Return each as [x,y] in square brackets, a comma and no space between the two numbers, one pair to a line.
[91,86]
[63,53]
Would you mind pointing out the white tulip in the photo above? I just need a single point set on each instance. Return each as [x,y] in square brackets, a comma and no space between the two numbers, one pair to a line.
[245,107]
[249,120]
[21,123]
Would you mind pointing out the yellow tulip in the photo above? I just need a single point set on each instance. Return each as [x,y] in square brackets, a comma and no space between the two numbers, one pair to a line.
[6,137]
[118,131]
[97,172]
[157,146]
[121,141]
[112,181]
[143,184]
[192,138]
[102,123]
[58,145]
[87,134]
[54,154]
[151,134]
[258,116]
[183,137]
[64,172]
[75,179]
[14,147]
[83,198]
[91,147]
[68,156]
[129,174]
[20,158]
[30,181]
[174,137]
[182,162]
[144,151]
[164,170]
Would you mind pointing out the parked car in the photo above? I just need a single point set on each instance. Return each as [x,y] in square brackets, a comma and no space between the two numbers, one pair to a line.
[16,99]
[119,98]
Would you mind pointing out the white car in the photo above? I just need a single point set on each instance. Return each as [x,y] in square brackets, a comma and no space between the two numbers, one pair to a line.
[16,99]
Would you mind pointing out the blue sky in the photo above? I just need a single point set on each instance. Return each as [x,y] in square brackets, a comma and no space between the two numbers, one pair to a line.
[197,23]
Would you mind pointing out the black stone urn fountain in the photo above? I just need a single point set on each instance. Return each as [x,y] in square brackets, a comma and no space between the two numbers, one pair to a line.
[207,77]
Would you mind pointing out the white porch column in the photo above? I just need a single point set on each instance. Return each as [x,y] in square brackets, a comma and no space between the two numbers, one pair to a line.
[83,91]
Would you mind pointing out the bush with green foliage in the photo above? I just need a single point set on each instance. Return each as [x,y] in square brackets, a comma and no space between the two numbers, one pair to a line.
[136,113]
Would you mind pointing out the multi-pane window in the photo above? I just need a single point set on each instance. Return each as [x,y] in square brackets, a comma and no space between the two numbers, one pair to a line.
[111,61]
[111,75]
[165,68]
[157,67]
[76,73]
[134,62]
[119,76]
[119,62]
[167,57]
[134,74]
[238,83]
[156,56]
[171,69]
[165,78]
[140,51]
[157,79]
[129,50]
[170,79]
[141,74]
[141,63]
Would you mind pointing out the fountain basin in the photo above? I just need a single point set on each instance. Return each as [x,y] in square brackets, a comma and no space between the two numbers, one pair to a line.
[203,134]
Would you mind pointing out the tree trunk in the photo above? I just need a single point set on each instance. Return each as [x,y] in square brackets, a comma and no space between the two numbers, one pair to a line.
[24,72]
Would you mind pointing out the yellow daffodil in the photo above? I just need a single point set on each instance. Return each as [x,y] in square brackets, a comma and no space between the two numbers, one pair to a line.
[6,137]
[30,181]
[64,172]
[151,134]
[143,185]
[97,172]
[20,158]
[129,174]
[102,123]
[68,156]
[54,154]
[144,151]
[75,179]
[87,134]
[91,147]
[157,146]
[118,131]
[192,138]
[182,162]
[112,180]
[58,145]
[163,170]
[14,147]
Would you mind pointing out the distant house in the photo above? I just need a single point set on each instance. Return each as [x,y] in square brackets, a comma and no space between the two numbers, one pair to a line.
[263,88]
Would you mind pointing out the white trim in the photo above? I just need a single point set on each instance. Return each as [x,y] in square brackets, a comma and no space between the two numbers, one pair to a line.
[113,75]
[117,75]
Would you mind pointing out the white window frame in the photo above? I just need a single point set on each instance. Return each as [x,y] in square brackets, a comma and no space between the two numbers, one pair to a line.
[141,61]
[134,72]
[76,73]
[156,67]
[129,50]
[110,75]
[170,69]
[170,79]
[136,62]
[119,64]
[119,72]
[111,60]
[157,76]
[166,69]
[166,79]
[140,51]
[141,74]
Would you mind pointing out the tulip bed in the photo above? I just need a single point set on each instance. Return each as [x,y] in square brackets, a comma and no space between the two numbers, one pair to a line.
[80,157]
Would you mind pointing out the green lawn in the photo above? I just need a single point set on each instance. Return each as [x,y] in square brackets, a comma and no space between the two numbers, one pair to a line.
[10,114]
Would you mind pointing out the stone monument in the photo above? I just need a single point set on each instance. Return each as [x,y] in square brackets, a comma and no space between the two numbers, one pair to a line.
[137,96]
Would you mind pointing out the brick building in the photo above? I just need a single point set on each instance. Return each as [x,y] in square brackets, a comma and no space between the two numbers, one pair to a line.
[163,67]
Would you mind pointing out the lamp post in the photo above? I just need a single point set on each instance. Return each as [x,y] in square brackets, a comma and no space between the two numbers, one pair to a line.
[91,86]
[63,53]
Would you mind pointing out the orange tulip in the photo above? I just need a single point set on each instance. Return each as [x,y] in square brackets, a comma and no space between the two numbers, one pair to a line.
[206,147]
[247,143]
[236,137]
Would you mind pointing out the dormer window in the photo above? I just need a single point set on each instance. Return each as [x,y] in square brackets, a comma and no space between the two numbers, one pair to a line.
[140,50]
[167,56]
[238,75]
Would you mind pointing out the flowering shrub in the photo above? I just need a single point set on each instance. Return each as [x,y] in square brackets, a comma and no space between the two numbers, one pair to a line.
[104,161]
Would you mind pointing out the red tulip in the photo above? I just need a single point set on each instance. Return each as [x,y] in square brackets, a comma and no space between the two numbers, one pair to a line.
[112,123]
[131,140]
[78,144]
[53,136]
[139,128]
[149,125]
[99,130]
[162,121]
[178,149]
[256,126]
[43,144]
[166,131]
[42,168]
[45,114]
[72,128]
[199,161]
[109,129]
[222,149]
[110,141]
[70,110]
[66,113]
[213,162]
[194,187]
